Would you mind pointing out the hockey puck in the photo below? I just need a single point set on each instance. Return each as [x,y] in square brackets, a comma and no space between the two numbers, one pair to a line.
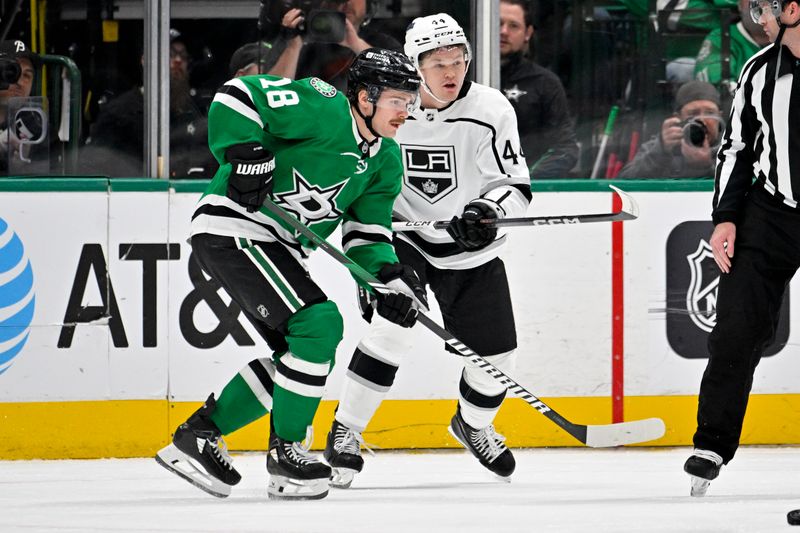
[793,517]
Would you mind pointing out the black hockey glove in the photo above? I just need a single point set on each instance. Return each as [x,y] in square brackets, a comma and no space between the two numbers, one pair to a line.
[402,305]
[250,181]
[467,230]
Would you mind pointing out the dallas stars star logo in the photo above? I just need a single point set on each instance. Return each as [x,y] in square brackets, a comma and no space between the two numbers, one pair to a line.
[513,93]
[311,203]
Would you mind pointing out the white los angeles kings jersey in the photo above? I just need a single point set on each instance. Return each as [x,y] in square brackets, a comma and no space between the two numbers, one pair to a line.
[451,156]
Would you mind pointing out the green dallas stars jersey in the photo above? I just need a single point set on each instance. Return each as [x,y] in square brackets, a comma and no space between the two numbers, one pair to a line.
[320,174]
[702,14]
[709,60]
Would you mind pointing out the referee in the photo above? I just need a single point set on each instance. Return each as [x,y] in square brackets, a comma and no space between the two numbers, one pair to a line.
[756,239]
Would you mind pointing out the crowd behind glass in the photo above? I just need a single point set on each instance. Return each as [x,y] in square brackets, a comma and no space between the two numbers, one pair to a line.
[659,80]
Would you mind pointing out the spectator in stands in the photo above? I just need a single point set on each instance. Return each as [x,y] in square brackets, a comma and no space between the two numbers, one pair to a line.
[12,159]
[116,143]
[545,127]
[330,61]
[253,59]
[746,39]
[686,146]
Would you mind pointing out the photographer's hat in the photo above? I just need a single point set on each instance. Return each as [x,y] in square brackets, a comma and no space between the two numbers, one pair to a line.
[696,90]
[250,54]
[17,49]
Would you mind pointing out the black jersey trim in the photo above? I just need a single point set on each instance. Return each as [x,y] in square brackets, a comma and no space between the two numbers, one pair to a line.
[441,249]
[227,212]
[363,235]
[236,92]
[494,138]
[525,190]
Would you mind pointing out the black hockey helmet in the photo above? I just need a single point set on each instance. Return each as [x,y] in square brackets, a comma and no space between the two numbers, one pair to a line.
[376,69]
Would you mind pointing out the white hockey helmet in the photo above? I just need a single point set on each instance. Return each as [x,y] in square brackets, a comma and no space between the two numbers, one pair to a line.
[432,32]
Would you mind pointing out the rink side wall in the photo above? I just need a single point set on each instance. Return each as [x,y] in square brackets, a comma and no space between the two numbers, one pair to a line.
[108,339]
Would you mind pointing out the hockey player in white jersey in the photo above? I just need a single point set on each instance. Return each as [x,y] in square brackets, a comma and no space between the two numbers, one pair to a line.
[462,159]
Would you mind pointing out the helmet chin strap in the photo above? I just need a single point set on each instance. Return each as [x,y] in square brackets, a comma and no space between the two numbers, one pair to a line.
[368,123]
[783,27]
[430,91]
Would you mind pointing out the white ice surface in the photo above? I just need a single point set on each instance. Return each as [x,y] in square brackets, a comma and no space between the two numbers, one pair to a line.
[557,490]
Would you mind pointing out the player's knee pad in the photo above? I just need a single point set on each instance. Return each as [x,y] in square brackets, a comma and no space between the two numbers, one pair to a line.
[484,383]
[314,332]
[386,340]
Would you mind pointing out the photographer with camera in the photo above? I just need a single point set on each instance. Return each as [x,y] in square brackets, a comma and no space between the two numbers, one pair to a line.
[17,72]
[687,144]
[333,33]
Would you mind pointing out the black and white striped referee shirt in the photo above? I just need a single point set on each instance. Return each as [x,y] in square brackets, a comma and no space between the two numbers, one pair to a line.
[762,139]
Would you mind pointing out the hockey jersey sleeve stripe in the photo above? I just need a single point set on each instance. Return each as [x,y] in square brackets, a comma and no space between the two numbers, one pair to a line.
[369,238]
[350,226]
[504,185]
[512,200]
[443,249]
[236,99]
[494,138]
[357,242]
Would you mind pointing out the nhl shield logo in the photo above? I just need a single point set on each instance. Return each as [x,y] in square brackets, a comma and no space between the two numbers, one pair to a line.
[701,295]
[693,279]
[430,170]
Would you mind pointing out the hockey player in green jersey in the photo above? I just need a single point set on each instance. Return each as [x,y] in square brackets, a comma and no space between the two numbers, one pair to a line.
[326,159]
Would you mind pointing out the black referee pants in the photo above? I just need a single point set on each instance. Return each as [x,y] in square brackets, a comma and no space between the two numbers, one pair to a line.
[766,256]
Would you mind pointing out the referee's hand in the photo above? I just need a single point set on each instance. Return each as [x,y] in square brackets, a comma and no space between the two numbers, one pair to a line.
[722,244]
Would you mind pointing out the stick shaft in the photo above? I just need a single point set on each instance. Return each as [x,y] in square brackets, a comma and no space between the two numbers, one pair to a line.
[581,432]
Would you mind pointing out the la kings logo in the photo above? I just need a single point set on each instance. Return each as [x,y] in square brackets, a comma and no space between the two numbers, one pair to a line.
[692,286]
[430,170]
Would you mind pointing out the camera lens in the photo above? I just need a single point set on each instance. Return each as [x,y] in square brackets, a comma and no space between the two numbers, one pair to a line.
[9,71]
[695,132]
[326,26]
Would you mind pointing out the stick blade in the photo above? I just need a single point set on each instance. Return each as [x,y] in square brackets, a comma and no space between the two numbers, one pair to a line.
[629,205]
[636,431]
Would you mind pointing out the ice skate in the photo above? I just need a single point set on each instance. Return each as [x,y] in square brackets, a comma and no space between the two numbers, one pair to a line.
[343,453]
[199,455]
[485,444]
[703,466]
[295,474]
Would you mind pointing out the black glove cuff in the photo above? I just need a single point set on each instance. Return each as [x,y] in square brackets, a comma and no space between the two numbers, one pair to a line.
[250,181]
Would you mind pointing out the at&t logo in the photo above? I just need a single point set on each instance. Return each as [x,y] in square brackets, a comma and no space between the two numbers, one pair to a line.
[17,299]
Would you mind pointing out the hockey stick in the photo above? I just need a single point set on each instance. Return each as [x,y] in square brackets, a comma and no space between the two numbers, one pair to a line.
[595,436]
[629,211]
